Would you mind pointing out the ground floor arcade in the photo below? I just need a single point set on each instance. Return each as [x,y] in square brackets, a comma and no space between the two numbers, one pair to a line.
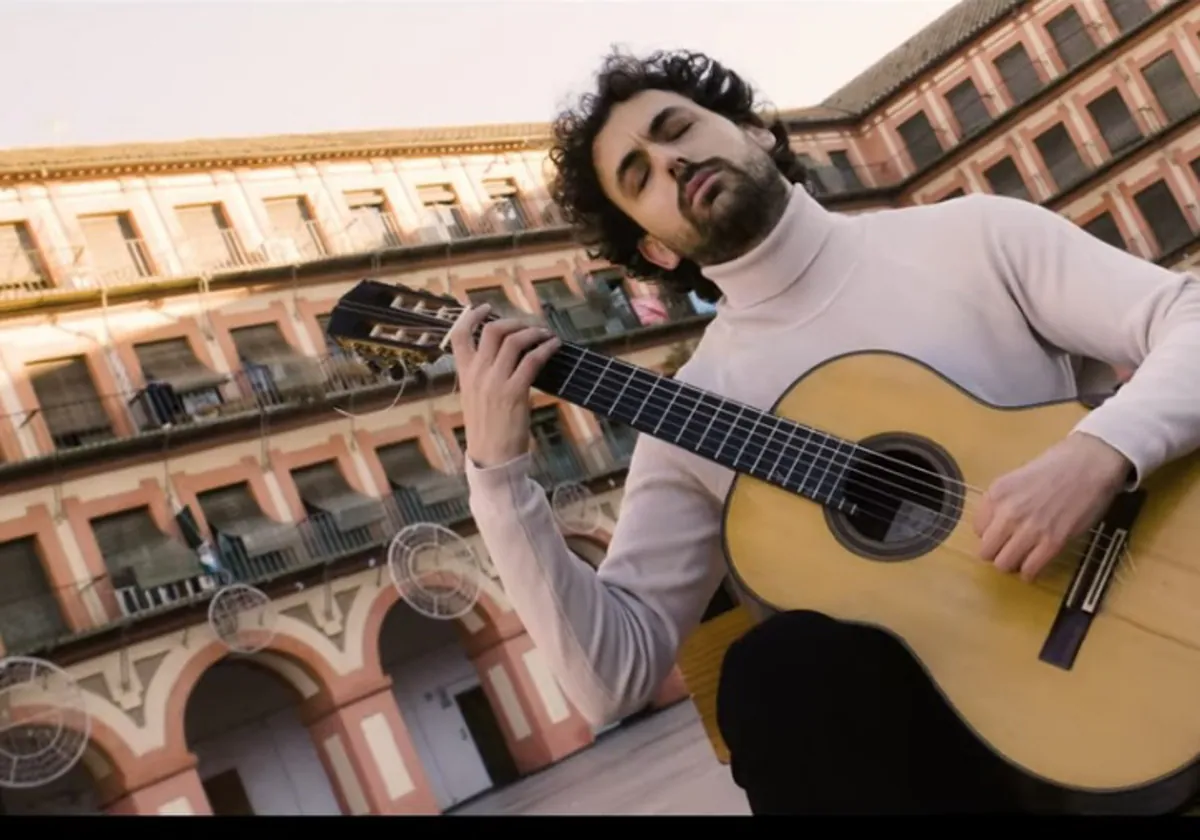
[357,705]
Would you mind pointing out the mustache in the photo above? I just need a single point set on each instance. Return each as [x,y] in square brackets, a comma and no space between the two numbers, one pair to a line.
[690,170]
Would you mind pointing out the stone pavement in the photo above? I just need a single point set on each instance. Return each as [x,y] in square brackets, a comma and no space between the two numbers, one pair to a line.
[660,765]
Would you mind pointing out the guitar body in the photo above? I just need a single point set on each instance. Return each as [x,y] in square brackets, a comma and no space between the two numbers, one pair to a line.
[1125,714]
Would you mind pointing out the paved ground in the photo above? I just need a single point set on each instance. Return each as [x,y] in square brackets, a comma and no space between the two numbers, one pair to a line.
[660,765]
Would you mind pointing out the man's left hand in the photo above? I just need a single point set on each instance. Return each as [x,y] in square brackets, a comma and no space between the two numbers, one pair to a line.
[1027,516]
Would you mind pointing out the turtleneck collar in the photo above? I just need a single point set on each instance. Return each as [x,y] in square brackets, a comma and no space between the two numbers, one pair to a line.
[779,260]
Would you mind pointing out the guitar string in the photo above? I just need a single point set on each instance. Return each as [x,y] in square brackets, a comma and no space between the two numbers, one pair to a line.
[752,434]
[1056,564]
[1104,540]
[944,527]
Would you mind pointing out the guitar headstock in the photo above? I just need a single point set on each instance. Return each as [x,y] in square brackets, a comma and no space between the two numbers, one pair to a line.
[390,324]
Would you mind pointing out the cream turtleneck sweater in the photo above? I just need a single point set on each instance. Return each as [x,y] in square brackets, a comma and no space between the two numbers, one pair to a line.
[1001,296]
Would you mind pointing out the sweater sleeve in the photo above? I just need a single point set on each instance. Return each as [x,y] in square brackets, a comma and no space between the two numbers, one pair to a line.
[1096,301]
[610,637]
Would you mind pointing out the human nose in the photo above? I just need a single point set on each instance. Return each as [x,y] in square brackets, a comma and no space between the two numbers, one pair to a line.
[676,165]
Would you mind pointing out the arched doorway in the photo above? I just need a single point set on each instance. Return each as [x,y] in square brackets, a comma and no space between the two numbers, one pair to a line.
[454,729]
[255,755]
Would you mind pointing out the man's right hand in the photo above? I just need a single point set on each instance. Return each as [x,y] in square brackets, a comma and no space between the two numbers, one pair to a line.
[495,382]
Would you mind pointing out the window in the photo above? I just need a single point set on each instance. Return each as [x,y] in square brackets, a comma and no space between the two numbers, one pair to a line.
[29,612]
[506,212]
[1164,217]
[138,553]
[1128,13]
[372,225]
[261,344]
[1005,179]
[1060,156]
[114,248]
[1018,73]
[251,544]
[607,294]
[958,193]
[276,371]
[173,361]
[554,456]
[1112,117]
[920,139]
[846,171]
[817,181]
[21,266]
[1071,37]
[70,407]
[327,494]
[620,436]
[554,292]
[422,492]
[211,243]
[444,217]
[496,297]
[1171,87]
[1104,227]
[296,233]
[404,463]
[968,107]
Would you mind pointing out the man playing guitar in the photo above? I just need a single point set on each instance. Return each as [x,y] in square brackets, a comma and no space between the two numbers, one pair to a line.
[668,171]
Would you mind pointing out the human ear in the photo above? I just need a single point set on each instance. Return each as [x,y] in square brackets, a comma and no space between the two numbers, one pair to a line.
[658,253]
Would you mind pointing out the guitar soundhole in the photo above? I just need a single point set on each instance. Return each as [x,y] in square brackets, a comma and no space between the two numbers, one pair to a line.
[903,496]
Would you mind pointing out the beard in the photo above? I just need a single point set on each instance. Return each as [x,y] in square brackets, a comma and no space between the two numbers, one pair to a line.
[737,211]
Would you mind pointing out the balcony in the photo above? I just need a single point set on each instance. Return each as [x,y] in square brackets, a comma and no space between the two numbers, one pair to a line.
[863,180]
[70,430]
[282,550]
[74,429]
[49,274]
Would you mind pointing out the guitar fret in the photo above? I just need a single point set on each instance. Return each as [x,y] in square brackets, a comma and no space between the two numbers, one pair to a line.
[763,451]
[749,437]
[596,384]
[667,410]
[642,408]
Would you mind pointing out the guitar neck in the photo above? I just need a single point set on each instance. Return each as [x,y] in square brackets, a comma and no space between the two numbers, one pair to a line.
[797,458]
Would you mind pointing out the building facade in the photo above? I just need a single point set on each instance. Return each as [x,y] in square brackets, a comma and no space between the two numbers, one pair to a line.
[175,297]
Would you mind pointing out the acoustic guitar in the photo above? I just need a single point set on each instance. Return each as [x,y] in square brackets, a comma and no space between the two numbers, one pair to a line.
[853,497]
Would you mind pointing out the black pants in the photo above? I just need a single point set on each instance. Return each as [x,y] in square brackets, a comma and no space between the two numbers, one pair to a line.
[823,717]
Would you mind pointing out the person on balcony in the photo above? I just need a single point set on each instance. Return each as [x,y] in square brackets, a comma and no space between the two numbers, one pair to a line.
[670,170]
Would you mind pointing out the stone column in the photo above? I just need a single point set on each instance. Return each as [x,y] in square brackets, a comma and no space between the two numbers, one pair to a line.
[180,795]
[370,758]
[540,725]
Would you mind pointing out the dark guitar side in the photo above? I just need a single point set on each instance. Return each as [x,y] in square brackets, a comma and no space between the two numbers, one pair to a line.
[1120,725]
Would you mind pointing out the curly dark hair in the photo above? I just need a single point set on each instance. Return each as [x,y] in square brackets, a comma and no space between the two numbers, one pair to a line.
[600,226]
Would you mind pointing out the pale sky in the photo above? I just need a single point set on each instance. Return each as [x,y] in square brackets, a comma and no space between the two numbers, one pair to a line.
[112,72]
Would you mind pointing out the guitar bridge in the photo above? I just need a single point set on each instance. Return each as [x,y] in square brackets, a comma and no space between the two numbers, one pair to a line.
[1091,582]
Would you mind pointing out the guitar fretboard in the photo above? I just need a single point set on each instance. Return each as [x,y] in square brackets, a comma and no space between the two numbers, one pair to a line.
[803,460]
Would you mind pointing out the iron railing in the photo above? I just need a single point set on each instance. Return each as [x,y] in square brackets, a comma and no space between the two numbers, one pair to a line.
[54,271]
[54,617]
[68,423]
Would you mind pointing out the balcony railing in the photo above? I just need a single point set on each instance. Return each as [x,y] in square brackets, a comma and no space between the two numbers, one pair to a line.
[52,618]
[67,424]
[77,268]
[64,424]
